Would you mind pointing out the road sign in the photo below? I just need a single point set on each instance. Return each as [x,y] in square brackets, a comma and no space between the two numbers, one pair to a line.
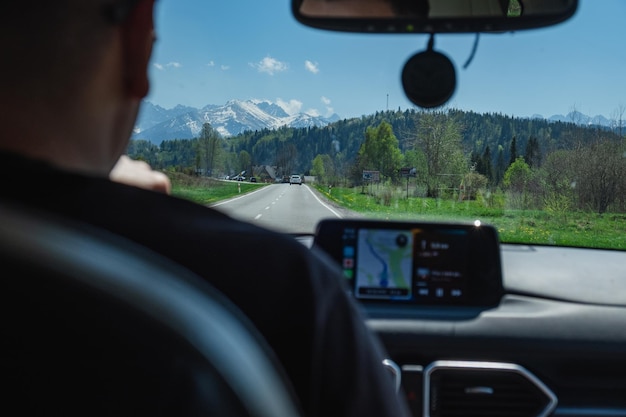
[372,176]
[408,172]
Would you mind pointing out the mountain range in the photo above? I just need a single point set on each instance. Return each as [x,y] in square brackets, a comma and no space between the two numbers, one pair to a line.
[157,124]
[579,118]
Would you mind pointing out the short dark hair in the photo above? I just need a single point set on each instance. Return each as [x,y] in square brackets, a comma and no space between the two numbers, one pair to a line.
[50,45]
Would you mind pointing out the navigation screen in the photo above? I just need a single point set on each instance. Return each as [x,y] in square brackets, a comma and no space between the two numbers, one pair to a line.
[415,263]
[428,266]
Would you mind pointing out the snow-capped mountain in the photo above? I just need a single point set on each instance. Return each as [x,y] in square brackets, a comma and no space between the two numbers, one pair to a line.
[579,118]
[157,124]
[582,119]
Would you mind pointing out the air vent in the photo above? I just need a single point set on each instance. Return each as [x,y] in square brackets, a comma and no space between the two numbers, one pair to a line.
[484,389]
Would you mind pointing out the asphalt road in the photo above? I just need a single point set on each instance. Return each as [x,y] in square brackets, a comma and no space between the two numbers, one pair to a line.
[283,207]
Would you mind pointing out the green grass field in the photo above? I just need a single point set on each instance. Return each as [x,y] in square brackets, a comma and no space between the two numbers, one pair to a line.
[207,191]
[583,229]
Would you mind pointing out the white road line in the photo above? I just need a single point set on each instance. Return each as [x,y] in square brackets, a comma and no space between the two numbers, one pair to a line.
[324,204]
[236,198]
[258,216]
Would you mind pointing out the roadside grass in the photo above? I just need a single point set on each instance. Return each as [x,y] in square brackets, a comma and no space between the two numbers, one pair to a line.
[563,228]
[580,229]
[207,191]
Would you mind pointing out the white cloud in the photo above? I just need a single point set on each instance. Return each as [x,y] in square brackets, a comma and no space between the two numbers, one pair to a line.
[223,67]
[162,67]
[292,106]
[313,112]
[326,102]
[270,65]
[312,67]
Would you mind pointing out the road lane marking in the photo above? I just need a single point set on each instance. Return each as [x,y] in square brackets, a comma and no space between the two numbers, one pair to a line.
[324,204]
[237,198]
[258,216]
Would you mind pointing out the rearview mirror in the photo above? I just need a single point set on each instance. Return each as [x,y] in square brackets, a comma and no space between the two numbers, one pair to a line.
[431,16]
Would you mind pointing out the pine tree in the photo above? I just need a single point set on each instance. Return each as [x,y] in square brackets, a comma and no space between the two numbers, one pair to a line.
[487,164]
[532,154]
[513,151]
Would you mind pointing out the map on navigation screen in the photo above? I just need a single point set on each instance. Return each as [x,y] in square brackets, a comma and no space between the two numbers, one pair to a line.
[384,264]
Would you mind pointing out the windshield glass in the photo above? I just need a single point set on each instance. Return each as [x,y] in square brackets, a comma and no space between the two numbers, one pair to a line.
[531,141]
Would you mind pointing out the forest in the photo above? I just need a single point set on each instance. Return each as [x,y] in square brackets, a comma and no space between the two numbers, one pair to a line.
[494,158]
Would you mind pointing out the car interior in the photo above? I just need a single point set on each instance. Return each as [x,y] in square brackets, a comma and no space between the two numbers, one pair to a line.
[95,324]
[481,328]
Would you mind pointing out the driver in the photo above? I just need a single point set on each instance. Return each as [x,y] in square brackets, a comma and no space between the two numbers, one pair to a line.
[74,74]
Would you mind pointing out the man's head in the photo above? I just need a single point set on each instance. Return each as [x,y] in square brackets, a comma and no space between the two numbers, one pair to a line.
[78,62]
[50,40]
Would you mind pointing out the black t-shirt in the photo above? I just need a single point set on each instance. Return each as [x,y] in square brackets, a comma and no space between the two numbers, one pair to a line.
[294,295]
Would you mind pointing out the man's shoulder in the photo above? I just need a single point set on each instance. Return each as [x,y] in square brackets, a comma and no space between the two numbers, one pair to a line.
[174,226]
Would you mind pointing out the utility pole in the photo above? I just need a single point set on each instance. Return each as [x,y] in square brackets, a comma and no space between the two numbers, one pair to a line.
[387,101]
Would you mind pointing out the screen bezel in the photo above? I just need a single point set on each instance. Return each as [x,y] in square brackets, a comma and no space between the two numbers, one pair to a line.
[484,283]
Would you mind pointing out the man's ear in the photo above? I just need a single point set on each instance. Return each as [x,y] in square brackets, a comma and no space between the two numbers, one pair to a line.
[139,36]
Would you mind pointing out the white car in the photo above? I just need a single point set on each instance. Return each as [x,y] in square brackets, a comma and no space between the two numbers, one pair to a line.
[295,179]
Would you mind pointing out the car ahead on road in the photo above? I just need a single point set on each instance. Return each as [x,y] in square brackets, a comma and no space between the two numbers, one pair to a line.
[496,275]
[295,179]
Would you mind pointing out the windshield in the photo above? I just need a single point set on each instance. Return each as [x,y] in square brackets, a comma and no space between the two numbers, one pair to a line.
[531,140]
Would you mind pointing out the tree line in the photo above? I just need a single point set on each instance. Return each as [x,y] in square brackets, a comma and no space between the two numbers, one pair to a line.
[523,163]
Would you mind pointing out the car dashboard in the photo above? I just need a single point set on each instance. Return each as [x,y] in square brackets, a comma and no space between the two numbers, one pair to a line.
[552,344]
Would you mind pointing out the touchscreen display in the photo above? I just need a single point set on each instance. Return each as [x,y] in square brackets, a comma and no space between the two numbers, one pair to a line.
[407,264]
[415,263]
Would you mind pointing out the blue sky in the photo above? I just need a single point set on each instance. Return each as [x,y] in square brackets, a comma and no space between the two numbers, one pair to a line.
[209,52]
